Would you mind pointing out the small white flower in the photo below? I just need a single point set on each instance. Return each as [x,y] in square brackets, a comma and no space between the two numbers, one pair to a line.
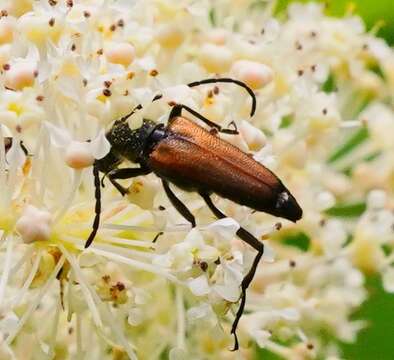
[34,224]
[199,286]
[78,154]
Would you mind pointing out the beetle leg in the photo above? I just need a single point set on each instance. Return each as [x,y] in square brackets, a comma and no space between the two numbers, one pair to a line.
[178,204]
[126,173]
[177,111]
[97,209]
[252,241]
[114,174]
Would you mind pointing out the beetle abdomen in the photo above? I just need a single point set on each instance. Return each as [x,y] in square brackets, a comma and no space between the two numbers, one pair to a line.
[194,159]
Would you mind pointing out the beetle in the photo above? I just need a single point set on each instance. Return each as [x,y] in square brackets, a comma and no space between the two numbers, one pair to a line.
[194,159]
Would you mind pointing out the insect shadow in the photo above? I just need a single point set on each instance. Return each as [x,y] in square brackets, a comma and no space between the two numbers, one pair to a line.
[194,159]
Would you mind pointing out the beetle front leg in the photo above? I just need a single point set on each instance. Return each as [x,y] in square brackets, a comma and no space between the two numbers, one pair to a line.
[178,204]
[112,175]
[256,244]
[177,111]
[126,173]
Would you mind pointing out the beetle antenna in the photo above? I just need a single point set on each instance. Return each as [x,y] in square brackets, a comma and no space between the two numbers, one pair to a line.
[203,82]
[139,107]
[97,209]
[229,80]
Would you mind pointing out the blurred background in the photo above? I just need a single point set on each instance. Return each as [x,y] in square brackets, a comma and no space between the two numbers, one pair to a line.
[376,340]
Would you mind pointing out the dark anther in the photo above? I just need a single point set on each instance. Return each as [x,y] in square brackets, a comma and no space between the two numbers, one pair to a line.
[161,208]
[298,45]
[157,236]
[120,286]
[51,22]
[292,263]
[204,266]
[107,92]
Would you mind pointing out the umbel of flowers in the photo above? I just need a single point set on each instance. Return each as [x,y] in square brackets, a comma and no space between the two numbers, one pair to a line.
[324,123]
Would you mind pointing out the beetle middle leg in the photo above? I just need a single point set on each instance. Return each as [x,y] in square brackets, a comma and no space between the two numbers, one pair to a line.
[177,111]
[178,204]
[256,244]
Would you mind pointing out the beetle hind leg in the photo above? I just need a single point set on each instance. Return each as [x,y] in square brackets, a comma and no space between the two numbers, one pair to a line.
[178,204]
[256,244]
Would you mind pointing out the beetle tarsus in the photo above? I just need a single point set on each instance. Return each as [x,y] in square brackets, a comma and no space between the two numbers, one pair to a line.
[178,204]
[244,286]
[97,209]
[252,241]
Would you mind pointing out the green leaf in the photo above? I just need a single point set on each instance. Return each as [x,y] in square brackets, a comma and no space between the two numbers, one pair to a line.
[329,85]
[212,17]
[347,210]
[286,121]
[355,140]
[299,240]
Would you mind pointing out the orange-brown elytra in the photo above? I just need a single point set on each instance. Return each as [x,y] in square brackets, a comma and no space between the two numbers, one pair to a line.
[194,159]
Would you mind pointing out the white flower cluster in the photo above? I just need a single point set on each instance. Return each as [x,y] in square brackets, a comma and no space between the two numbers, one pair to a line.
[324,123]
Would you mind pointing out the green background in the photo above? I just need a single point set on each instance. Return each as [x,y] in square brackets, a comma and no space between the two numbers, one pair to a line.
[376,342]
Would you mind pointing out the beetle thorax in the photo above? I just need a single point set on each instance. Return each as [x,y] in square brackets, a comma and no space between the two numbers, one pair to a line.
[130,144]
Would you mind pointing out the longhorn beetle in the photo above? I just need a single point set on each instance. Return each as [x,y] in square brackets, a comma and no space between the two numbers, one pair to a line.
[194,159]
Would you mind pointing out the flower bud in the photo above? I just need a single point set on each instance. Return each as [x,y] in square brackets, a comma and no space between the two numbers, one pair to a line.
[79,155]
[169,36]
[254,74]
[6,31]
[217,36]
[20,75]
[120,53]
[216,59]
[34,225]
